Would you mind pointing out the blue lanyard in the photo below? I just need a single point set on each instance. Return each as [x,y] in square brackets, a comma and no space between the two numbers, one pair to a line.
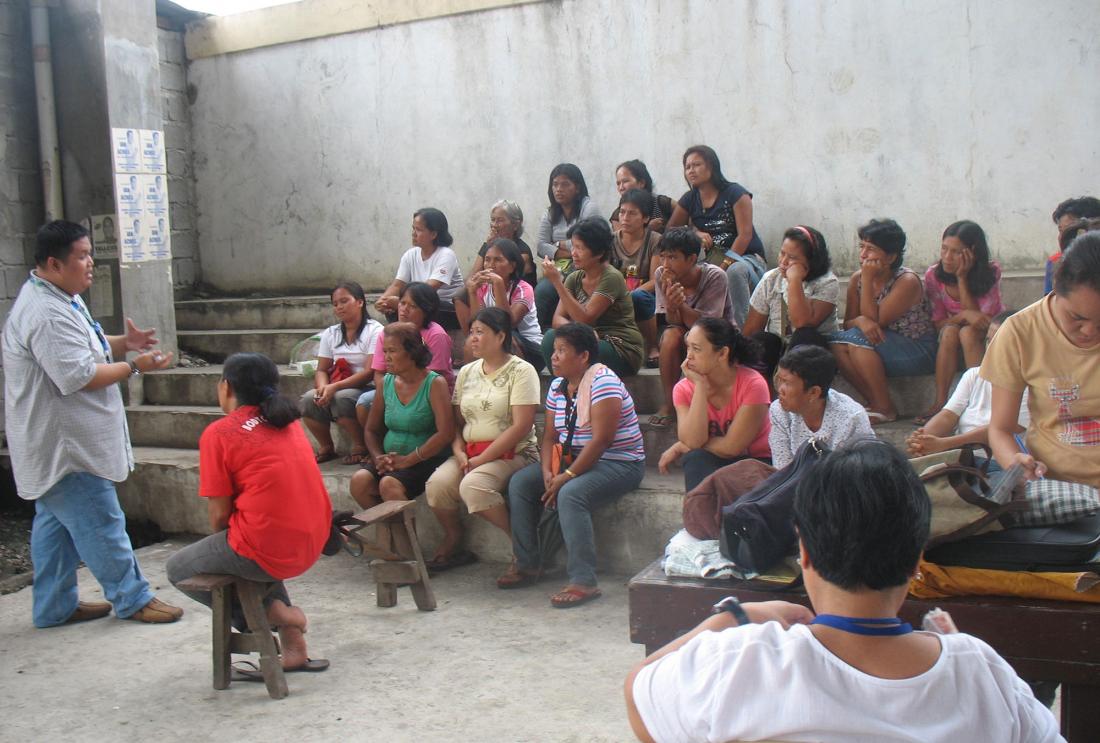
[95,326]
[876,626]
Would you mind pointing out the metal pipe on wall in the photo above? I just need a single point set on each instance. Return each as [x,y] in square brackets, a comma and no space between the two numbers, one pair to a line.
[49,152]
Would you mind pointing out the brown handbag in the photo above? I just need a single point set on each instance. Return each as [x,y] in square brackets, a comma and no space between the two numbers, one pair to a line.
[702,508]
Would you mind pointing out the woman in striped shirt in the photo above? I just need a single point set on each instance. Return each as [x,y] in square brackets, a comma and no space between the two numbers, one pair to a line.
[590,419]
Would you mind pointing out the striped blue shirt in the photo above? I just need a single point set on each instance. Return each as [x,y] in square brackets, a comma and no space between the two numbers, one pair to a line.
[627,444]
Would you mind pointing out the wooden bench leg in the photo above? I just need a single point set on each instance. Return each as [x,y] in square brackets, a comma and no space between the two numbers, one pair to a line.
[409,546]
[270,665]
[387,592]
[222,605]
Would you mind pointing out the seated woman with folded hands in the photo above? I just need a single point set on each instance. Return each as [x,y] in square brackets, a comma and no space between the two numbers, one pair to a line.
[721,403]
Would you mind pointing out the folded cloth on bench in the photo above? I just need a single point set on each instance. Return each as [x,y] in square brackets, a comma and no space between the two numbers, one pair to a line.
[939,581]
[688,557]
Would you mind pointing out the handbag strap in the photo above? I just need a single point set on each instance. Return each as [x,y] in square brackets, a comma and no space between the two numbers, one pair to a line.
[570,425]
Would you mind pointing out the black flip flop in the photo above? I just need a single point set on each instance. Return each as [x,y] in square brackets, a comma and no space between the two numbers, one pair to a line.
[457,560]
[246,670]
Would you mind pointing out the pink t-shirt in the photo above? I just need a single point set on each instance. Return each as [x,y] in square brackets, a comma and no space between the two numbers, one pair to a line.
[944,305]
[438,342]
[748,389]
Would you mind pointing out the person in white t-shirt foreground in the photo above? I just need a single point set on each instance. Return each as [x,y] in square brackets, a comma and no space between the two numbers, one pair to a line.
[343,374]
[430,260]
[853,671]
[965,417]
[808,408]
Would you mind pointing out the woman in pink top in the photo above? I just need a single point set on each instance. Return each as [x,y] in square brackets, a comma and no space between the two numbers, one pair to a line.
[721,403]
[418,304]
[964,290]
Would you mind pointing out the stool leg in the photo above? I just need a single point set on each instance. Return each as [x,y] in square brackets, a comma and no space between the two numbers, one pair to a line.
[270,665]
[221,603]
[409,546]
[387,592]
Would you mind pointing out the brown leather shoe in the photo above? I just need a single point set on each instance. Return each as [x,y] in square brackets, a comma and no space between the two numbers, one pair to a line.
[88,610]
[157,612]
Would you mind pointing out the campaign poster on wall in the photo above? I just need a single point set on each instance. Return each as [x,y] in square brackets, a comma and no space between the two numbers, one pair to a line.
[126,149]
[152,151]
[141,195]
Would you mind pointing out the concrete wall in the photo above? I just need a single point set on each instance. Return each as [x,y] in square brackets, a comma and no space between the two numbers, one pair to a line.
[310,157]
[181,177]
[21,207]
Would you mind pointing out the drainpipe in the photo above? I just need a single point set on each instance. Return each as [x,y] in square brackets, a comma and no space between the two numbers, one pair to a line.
[47,114]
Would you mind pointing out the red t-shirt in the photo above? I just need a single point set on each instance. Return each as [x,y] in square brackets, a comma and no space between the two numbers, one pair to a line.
[748,389]
[281,511]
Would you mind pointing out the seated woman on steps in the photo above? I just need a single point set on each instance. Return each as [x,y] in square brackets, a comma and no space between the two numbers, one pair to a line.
[795,303]
[418,305]
[595,294]
[500,284]
[430,260]
[343,373]
[410,425]
[268,507]
[808,408]
[888,329]
[634,253]
[591,456]
[965,417]
[495,400]
[964,290]
[721,403]
[631,175]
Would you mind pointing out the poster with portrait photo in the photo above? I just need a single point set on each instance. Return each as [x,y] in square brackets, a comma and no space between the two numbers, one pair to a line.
[152,151]
[105,235]
[126,150]
[134,247]
[129,198]
[154,194]
[159,238]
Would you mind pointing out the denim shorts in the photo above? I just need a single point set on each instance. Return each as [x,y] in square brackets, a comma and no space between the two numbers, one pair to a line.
[645,304]
[901,356]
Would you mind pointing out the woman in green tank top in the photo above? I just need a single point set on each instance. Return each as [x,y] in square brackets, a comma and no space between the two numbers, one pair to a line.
[410,425]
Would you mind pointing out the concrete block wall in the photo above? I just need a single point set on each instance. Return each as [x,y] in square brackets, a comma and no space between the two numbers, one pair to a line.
[21,203]
[181,177]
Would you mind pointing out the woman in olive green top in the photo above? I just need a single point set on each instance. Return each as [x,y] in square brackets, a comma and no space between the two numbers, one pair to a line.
[410,425]
[596,294]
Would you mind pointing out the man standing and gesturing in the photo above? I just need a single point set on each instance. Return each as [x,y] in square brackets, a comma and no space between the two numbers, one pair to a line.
[67,434]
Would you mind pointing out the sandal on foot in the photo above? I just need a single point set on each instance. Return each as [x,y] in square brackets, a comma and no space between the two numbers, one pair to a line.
[659,421]
[516,578]
[246,670]
[324,456]
[653,362]
[876,418]
[356,457]
[443,563]
[923,418]
[567,598]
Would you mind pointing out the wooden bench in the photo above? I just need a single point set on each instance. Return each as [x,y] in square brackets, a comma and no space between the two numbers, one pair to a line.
[1043,640]
[396,559]
[258,639]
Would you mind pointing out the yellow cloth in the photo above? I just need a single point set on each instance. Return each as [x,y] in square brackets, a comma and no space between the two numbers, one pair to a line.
[486,400]
[940,581]
[1063,382]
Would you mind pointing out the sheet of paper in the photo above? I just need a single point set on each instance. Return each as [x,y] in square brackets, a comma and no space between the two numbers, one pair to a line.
[152,151]
[101,293]
[126,149]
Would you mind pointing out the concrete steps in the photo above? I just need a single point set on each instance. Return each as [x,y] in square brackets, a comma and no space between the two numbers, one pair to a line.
[272,312]
[217,345]
[629,533]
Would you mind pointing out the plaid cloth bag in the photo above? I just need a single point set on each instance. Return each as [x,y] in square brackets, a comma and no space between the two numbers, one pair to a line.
[1053,502]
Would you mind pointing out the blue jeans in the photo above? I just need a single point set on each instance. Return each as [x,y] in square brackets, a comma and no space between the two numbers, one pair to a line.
[645,304]
[79,519]
[577,499]
[546,302]
[743,276]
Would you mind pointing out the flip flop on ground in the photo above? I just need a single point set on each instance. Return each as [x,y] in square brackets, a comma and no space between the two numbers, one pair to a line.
[658,420]
[356,457]
[442,563]
[876,418]
[324,456]
[567,598]
[516,578]
[246,670]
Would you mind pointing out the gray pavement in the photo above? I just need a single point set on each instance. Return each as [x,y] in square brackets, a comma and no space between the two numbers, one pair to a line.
[487,665]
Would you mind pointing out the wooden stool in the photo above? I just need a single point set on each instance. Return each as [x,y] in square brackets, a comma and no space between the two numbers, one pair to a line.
[259,638]
[396,556]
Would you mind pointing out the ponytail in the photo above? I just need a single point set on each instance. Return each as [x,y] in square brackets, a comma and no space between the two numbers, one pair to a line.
[254,379]
[722,333]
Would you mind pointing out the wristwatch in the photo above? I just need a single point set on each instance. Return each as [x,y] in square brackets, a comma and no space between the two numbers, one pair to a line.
[134,371]
[733,606]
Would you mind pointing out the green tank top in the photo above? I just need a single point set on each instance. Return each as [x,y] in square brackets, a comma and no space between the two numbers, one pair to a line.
[407,426]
